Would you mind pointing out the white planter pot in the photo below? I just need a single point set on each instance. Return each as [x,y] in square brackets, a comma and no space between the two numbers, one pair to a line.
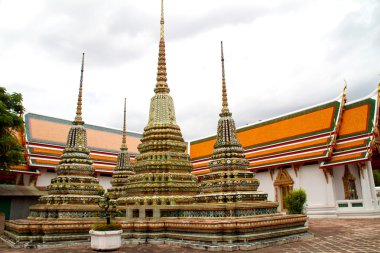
[105,240]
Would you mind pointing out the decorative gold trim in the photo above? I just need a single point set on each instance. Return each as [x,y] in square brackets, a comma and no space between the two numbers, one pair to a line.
[361,168]
[296,169]
[327,172]
[271,172]
[283,178]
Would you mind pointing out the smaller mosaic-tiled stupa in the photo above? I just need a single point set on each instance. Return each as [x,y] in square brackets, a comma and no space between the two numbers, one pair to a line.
[70,208]
[123,167]
[229,179]
[73,192]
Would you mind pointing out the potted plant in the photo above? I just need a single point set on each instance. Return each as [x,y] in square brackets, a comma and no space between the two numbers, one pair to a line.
[106,236]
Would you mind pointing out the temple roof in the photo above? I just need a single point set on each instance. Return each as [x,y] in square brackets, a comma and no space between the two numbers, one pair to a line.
[332,133]
[46,138]
[356,136]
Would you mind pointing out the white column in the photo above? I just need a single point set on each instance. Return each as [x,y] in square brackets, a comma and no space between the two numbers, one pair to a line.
[372,184]
[366,188]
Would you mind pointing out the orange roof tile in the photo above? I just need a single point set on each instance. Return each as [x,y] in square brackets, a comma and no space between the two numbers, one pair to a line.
[22,167]
[303,145]
[48,130]
[200,172]
[292,127]
[356,132]
[202,149]
[355,120]
[349,145]
[283,139]
[346,157]
[294,158]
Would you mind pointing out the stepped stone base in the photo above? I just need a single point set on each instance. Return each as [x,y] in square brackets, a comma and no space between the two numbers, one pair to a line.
[213,234]
[32,232]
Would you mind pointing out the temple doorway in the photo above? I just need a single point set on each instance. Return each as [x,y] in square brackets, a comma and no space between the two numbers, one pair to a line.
[283,185]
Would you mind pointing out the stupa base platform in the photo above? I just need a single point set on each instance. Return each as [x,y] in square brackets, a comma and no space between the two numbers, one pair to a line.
[34,232]
[222,246]
[232,233]
[216,230]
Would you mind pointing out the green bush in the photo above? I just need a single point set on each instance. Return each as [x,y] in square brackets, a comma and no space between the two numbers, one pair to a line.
[376,176]
[295,201]
[106,227]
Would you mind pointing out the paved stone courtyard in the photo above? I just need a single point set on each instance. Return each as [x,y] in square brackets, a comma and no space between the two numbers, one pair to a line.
[330,235]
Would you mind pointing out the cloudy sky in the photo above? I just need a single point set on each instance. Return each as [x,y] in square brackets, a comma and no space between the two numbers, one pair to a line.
[280,56]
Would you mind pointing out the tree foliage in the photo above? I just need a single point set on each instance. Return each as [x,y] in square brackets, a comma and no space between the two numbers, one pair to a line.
[107,206]
[11,151]
[376,176]
[295,201]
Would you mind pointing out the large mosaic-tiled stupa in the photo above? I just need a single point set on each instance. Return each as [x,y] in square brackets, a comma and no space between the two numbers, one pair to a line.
[70,207]
[163,168]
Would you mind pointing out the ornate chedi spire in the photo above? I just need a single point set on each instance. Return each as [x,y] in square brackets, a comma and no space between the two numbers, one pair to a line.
[225,109]
[163,169]
[229,179]
[161,85]
[72,193]
[78,118]
[123,167]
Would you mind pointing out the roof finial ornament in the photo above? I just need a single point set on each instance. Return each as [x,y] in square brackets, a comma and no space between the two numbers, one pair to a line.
[124,141]
[224,88]
[78,118]
[161,85]
[344,90]
[345,87]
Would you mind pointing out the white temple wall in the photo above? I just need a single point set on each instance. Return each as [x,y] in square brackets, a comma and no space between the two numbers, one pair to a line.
[45,178]
[313,181]
[105,182]
[355,172]
[26,179]
[324,196]
[295,178]
[338,182]
[266,184]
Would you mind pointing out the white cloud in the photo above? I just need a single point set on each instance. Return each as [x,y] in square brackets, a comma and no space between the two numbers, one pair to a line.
[280,56]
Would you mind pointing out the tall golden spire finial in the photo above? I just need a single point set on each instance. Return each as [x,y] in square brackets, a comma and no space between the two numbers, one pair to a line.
[162,32]
[161,85]
[224,88]
[78,118]
[124,141]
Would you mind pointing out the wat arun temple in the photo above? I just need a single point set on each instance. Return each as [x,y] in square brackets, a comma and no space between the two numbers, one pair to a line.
[159,198]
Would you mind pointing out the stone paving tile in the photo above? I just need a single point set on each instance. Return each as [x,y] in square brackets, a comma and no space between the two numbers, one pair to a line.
[330,235]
